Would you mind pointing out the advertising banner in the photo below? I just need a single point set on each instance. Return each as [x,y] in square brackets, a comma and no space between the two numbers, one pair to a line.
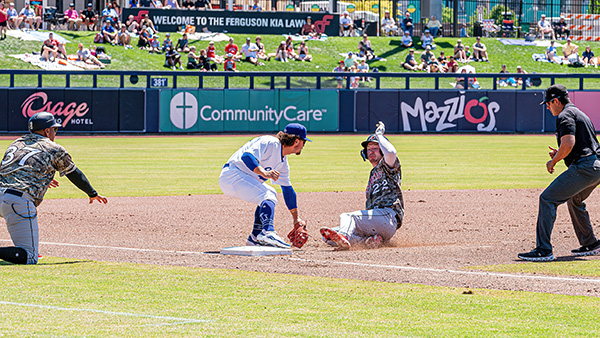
[247,110]
[3,110]
[171,20]
[77,110]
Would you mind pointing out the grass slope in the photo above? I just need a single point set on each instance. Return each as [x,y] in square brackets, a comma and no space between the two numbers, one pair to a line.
[62,297]
[326,56]
[130,166]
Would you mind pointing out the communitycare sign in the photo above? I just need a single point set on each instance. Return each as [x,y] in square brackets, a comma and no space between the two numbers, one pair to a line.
[247,110]
[171,20]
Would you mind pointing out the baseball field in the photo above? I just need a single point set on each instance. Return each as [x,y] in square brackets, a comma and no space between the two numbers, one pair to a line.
[147,264]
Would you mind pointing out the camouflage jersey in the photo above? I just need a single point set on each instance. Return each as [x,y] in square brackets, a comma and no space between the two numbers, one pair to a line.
[29,165]
[383,189]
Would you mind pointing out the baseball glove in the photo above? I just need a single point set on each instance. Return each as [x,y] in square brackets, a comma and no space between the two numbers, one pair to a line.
[298,236]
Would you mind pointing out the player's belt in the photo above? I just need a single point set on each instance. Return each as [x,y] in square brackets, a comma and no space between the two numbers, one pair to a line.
[591,157]
[13,192]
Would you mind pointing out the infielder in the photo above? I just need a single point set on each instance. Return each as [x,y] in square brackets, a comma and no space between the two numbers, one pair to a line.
[384,205]
[26,172]
[579,148]
[245,174]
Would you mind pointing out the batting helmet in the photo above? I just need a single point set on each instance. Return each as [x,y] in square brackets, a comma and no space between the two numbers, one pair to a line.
[41,121]
[364,144]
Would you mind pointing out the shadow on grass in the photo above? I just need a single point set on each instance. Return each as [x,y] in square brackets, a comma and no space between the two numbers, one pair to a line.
[54,263]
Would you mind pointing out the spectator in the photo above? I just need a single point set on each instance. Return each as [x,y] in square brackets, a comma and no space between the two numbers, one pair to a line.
[131,24]
[109,34]
[410,62]
[427,57]
[134,3]
[156,4]
[353,79]
[144,38]
[256,6]
[230,63]
[110,14]
[289,48]
[561,30]
[173,4]
[364,48]
[570,52]
[506,81]
[281,53]
[90,19]
[308,28]
[84,54]
[232,48]
[452,65]
[407,23]
[183,44]
[406,40]
[143,3]
[460,81]
[468,53]
[480,51]
[149,24]
[544,27]
[434,67]
[350,61]
[427,40]
[588,57]
[388,25]
[463,31]
[117,9]
[202,4]
[459,52]
[172,58]
[346,25]
[72,17]
[340,79]
[261,54]
[187,4]
[154,45]
[167,43]
[442,59]
[193,59]
[211,53]
[124,37]
[520,79]
[205,62]
[303,52]
[28,16]
[3,20]
[363,67]
[434,26]
[551,55]
[13,16]
[249,51]
[50,48]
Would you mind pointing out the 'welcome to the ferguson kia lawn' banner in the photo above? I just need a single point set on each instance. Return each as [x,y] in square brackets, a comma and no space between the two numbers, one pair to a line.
[172,20]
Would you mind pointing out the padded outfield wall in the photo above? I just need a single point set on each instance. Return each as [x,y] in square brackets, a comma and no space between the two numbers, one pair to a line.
[89,110]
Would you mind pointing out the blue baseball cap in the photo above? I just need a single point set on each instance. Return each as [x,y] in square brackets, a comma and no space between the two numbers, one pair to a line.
[296,129]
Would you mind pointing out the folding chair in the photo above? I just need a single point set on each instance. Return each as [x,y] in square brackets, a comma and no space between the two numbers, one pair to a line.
[489,28]
[55,20]
[508,27]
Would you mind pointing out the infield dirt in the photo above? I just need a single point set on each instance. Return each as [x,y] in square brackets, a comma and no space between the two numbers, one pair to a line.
[443,233]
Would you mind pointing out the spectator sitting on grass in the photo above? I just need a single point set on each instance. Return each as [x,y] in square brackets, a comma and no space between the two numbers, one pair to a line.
[230,63]
[109,33]
[406,40]
[363,67]
[166,42]
[182,44]
[551,54]
[84,54]
[110,14]
[261,53]
[364,48]
[570,52]
[434,67]
[149,24]
[154,45]
[588,57]
[49,49]
[410,62]
[426,58]
[124,37]
[132,24]
[205,62]
[460,82]
[452,65]
[427,40]
[459,52]
[232,48]
[211,53]
[289,48]
[350,61]
[506,81]
[281,53]
[520,79]
[193,59]
[468,53]
[340,79]
[442,59]
[308,28]
[480,51]
[172,58]
[303,52]
[249,52]
[144,38]
[353,79]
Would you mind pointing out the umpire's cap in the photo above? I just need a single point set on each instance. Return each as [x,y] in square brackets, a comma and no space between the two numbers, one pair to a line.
[41,121]
[556,91]
[298,130]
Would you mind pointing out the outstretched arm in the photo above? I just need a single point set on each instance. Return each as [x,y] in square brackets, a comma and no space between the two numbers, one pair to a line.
[77,177]
[389,151]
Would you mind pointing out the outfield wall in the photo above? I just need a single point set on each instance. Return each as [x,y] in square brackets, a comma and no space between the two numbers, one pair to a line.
[88,110]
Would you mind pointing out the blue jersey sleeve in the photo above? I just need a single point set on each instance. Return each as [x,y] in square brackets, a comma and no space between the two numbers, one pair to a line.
[250,161]
[289,195]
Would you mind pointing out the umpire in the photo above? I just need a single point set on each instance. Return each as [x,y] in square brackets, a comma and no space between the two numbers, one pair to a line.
[578,147]
[26,172]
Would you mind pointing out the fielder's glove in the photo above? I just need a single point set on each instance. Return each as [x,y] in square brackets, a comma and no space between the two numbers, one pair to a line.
[298,236]
[380,128]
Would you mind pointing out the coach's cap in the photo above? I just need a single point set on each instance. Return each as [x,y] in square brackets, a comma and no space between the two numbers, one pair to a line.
[41,121]
[298,130]
[556,91]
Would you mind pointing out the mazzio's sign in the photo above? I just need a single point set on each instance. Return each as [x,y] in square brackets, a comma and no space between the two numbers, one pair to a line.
[171,20]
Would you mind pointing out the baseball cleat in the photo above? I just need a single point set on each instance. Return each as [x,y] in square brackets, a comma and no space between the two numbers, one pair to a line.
[374,242]
[271,238]
[333,236]
[252,241]
[537,255]
[588,250]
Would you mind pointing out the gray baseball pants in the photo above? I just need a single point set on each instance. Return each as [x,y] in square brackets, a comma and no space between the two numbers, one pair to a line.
[21,221]
[359,225]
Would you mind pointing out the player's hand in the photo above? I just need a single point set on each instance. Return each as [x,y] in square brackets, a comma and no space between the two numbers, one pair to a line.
[550,166]
[53,184]
[100,199]
[552,152]
[380,129]
[272,174]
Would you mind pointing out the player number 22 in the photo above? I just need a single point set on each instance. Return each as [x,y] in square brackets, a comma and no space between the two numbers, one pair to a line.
[10,155]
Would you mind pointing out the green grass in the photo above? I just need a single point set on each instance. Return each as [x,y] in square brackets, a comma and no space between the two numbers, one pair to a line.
[130,166]
[240,303]
[581,267]
[326,56]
